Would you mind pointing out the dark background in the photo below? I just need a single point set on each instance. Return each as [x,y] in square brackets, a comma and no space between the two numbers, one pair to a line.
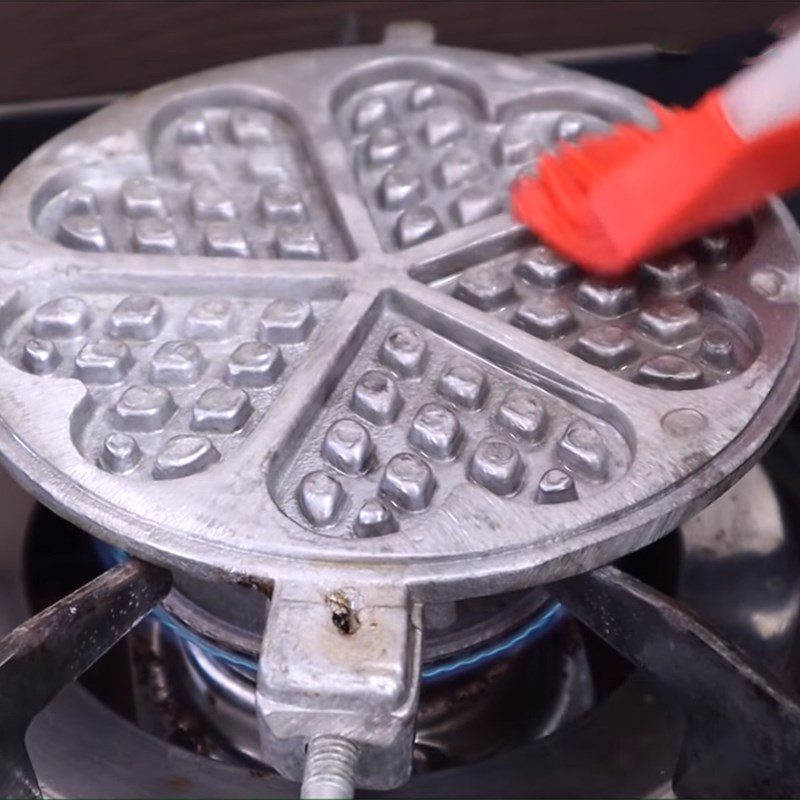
[61,48]
[60,56]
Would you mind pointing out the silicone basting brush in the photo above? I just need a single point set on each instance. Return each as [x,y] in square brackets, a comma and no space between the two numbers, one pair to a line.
[613,199]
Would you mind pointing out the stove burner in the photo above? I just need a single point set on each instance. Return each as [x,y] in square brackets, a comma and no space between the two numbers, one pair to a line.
[270,325]
[478,657]
[736,569]
[529,691]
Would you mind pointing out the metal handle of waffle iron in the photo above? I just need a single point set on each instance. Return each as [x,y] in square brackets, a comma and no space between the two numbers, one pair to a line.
[338,687]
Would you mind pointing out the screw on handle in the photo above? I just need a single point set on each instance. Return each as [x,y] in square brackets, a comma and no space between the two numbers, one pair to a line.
[329,769]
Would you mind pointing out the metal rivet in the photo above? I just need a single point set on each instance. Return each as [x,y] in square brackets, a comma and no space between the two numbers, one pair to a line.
[518,142]
[83,232]
[286,322]
[298,241]
[121,453]
[442,124]
[136,317]
[404,351]
[672,274]
[556,486]
[184,455]
[374,518]
[422,96]
[670,372]
[371,113]
[265,164]
[282,202]
[583,449]
[408,482]
[154,235]
[40,356]
[209,319]
[717,249]
[606,299]
[486,286]
[718,350]
[144,408]
[250,127]
[541,266]
[385,146]
[545,316]
[177,363]
[141,197]
[416,225]
[320,498]
[436,431]
[225,239]
[65,317]
[401,187]
[607,346]
[376,398]
[347,446]
[209,202]
[569,127]
[496,465]
[476,203]
[192,128]
[461,163]
[463,383]
[255,364]
[80,200]
[767,282]
[670,322]
[103,362]
[198,163]
[522,414]
[221,409]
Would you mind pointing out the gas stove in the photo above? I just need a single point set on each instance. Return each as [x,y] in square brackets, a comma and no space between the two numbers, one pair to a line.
[353,485]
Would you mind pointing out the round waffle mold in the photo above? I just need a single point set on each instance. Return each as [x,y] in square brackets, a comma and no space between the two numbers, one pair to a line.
[275,317]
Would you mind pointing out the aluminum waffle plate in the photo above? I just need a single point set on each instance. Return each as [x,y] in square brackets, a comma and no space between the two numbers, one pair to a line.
[275,316]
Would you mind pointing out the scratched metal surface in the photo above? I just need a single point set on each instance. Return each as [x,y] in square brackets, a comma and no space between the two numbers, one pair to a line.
[273,321]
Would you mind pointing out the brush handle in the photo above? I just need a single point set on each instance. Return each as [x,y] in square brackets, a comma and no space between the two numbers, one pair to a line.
[767,94]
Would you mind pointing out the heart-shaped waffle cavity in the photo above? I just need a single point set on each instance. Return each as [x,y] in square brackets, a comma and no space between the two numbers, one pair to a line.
[174,384]
[226,176]
[429,157]
[671,325]
[415,418]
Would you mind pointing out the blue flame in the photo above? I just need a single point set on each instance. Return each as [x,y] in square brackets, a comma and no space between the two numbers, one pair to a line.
[544,621]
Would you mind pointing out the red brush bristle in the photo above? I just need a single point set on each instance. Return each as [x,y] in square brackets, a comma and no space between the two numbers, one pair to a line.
[555,203]
[610,201]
